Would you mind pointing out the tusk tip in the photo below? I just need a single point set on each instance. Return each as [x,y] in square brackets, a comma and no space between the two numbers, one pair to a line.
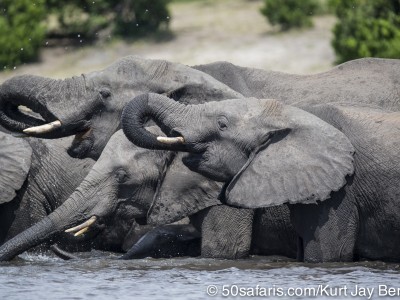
[82,231]
[43,128]
[169,140]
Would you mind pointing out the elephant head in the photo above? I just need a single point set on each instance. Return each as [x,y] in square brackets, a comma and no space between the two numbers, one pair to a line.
[124,175]
[123,181]
[89,106]
[267,153]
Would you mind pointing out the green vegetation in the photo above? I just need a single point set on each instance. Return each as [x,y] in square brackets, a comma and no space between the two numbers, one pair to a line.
[83,17]
[367,28]
[24,24]
[140,17]
[21,32]
[290,14]
[127,18]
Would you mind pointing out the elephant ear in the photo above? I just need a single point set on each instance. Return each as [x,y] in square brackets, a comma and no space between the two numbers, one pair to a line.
[304,166]
[181,193]
[15,161]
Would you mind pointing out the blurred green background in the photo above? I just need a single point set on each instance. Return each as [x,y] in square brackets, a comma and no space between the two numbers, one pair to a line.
[64,38]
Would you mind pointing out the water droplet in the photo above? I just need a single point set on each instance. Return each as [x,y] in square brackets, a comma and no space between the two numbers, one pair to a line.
[15,68]
[47,43]
[22,49]
[168,17]
[80,41]
[79,35]
[137,25]
[146,10]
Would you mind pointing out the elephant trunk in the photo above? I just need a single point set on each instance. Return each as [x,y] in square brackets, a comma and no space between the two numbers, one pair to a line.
[29,238]
[69,213]
[50,98]
[168,114]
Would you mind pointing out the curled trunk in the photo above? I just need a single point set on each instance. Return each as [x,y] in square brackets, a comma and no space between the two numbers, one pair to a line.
[49,99]
[167,114]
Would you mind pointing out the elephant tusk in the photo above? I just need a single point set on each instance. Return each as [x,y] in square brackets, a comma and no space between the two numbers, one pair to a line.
[24,109]
[84,225]
[43,128]
[171,141]
[82,231]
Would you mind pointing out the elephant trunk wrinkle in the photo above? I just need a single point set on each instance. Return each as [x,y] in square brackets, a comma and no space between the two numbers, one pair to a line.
[157,107]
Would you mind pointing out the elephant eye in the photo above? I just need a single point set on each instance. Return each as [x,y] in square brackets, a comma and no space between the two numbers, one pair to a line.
[105,93]
[121,175]
[222,122]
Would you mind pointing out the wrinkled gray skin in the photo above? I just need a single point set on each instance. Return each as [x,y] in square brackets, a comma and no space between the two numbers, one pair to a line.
[367,81]
[89,106]
[118,190]
[94,101]
[36,177]
[268,153]
[128,182]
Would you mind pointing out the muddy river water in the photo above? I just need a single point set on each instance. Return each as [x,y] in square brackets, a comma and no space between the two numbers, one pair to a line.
[100,275]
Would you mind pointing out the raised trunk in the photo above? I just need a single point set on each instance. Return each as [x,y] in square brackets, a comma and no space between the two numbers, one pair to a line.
[168,114]
[48,97]
[62,218]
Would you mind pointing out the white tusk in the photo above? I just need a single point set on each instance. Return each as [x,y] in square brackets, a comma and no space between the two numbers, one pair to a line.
[170,141]
[83,225]
[82,231]
[25,109]
[43,128]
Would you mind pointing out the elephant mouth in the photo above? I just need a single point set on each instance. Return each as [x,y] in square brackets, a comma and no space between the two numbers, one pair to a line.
[193,160]
[82,144]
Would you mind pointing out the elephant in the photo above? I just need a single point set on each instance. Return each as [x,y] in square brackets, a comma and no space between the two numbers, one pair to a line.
[365,81]
[36,176]
[140,184]
[121,184]
[337,169]
[89,106]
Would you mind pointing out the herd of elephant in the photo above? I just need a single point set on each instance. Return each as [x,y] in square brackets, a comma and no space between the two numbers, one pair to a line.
[154,158]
